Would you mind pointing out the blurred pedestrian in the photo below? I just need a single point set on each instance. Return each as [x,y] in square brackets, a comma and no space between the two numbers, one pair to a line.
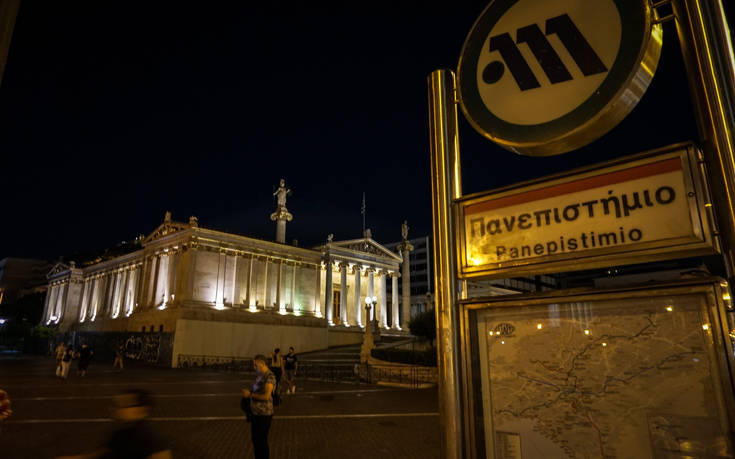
[66,363]
[5,410]
[261,406]
[133,437]
[85,356]
[59,352]
[290,366]
[119,352]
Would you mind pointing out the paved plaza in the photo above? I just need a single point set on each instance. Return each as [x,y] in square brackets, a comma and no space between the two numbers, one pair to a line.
[198,413]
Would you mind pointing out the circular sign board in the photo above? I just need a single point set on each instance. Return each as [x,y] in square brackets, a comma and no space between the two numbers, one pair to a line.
[542,77]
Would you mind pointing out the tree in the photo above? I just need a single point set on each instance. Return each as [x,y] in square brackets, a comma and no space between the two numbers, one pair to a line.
[423,325]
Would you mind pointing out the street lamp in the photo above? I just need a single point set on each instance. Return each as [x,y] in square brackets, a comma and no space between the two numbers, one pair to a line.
[370,303]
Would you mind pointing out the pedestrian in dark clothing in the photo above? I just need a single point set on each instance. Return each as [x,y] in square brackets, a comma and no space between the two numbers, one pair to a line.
[119,352]
[85,356]
[261,406]
[134,437]
[290,365]
[277,366]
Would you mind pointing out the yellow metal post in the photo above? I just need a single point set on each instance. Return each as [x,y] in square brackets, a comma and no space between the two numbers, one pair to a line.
[708,56]
[446,185]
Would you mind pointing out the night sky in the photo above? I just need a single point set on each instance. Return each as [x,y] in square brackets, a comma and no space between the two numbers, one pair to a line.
[111,115]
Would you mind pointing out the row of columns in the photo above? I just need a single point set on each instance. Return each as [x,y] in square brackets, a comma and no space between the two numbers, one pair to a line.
[356,307]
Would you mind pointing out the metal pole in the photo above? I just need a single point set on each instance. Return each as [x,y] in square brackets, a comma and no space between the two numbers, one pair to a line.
[445,186]
[708,56]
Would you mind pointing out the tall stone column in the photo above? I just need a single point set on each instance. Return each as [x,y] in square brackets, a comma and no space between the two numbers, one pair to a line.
[405,248]
[293,287]
[318,291]
[358,304]
[328,294]
[281,215]
[266,290]
[343,293]
[250,282]
[371,292]
[395,321]
[279,282]
[383,301]
[235,293]
[50,303]
[83,306]
[219,293]
[173,262]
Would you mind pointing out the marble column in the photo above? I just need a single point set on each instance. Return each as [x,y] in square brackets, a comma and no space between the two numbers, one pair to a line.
[235,293]
[83,306]
[219,296]
[343,293]
[173,262]
[395,322]
[406,248]
[51,302]
[266,290]
[328,293]
[279,283]
[371,292]
[155,265]
[61,302]
[318,291]
[293,287]
[383,298]
[95,298]
[250,282]
[357,304]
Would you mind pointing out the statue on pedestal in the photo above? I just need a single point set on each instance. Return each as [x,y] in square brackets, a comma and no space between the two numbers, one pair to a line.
[281,193]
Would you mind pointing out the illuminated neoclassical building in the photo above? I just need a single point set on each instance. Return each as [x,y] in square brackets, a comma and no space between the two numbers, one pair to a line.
[219,293]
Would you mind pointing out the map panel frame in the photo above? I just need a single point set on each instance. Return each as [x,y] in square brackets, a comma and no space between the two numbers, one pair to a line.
[711,307]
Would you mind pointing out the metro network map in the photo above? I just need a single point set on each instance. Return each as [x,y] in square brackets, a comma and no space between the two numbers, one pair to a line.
[633,378]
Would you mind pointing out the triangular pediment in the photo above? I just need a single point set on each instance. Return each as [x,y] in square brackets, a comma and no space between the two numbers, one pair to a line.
[369,246]
[58,268]
[166,228]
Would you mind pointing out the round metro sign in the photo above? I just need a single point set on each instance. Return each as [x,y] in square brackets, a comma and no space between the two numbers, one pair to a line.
[542,77]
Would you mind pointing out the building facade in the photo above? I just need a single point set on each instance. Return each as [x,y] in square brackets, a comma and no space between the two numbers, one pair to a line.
[223,294]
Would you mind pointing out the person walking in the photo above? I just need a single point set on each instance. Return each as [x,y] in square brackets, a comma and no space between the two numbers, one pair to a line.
[133,436]
[59,352]
[260,403]
[119,352]
[277,366]
[290,366]
[66,362]
[85,356]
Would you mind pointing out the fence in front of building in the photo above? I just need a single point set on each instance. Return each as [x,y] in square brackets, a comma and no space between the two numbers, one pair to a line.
[402,375]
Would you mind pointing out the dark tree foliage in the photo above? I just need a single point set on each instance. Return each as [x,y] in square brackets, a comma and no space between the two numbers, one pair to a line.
[424,326]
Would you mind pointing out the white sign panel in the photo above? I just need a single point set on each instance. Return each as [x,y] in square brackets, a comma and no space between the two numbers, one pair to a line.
[594,214]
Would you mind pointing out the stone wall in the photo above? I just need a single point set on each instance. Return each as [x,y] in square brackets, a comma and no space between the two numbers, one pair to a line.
[231,339]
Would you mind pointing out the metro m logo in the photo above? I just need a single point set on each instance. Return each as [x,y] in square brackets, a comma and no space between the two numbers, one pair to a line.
[564,28]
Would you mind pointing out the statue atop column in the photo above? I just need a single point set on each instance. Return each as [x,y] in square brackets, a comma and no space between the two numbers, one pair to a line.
[281,193]
[404,230]
[281,215]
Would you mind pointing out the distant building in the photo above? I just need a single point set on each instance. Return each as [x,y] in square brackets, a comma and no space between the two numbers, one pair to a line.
[422,278]
[21,276]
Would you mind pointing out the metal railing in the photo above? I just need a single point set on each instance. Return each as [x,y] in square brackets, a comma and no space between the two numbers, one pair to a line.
[410,376]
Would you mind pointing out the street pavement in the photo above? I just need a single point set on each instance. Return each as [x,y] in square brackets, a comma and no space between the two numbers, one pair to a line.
[197,412]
